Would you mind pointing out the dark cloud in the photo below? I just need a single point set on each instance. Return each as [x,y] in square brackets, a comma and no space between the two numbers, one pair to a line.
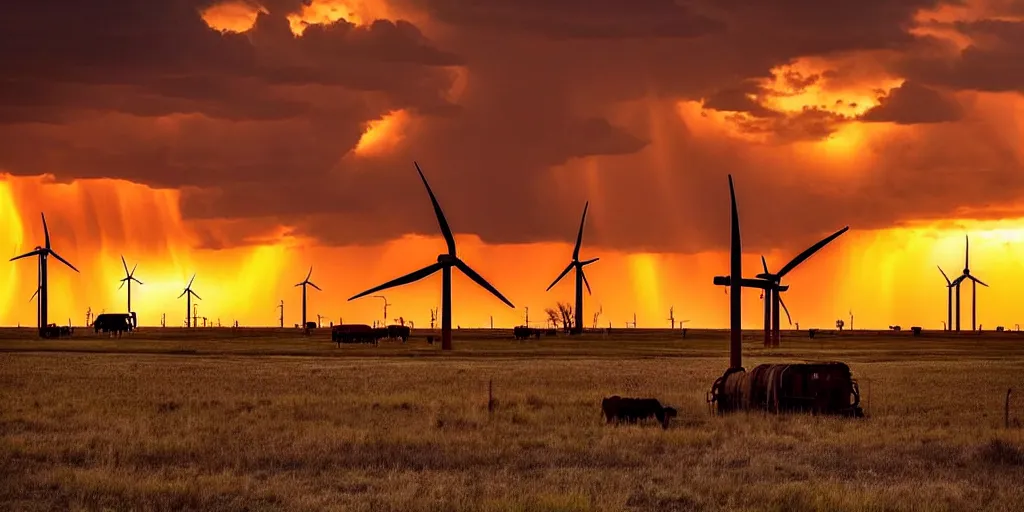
[994,62]
[560,103]
[912,103]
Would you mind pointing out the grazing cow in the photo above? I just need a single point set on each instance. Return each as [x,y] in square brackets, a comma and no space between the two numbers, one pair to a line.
[633,410]
[353,333]
[522,332]
[398,331]
[115,323]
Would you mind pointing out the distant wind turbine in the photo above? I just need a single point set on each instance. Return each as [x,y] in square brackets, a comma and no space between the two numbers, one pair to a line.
[581,278]
[128,278]
[303,284]
[445,262]
[974,288]
[188,294]
[43,253]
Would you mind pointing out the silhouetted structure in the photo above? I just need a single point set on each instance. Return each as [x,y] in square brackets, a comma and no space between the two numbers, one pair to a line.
[116,323]
[826,388]
[128,278]
[303,284]
[445,262]
[974,288]
[43,253]
[771,307]
[188,294]
[948,324]
[581,278]
[386,304]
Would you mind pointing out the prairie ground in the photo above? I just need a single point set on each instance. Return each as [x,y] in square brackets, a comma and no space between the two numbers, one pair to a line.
[225,419]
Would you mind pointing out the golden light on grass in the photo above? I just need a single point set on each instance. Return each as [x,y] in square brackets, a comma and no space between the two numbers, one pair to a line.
[383,134]
[365,428]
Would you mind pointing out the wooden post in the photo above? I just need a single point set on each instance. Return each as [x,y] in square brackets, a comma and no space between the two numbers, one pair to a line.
[1006,411]
[490,397]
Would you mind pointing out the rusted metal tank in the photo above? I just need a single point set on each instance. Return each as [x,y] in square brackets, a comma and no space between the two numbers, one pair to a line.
[816,388]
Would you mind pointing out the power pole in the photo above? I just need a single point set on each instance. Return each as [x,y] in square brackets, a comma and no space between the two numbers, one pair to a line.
[88,317]
[195,315]
[527,316]
[385,308]
[281,307]
[672,316]
[492,321]
[163,320]
[433,317]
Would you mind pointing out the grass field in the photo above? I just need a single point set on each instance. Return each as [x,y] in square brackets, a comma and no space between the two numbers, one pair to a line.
[223,419]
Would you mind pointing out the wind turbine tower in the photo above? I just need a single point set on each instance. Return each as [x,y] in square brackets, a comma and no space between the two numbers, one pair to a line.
[188,294]
[43,253]
[303,284]
[445,263]
[581,278]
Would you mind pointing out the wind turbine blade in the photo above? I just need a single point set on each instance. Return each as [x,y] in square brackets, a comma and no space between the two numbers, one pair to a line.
[764,264]
[64,261]
[136,280]
[967,252]
[579,236]
[957,281]
[132,273]
[314,286]
[34,295]
[122,283]
[196,295]
[189,287]
[183,293]
[309,274]
[588,262]
[125,266]
[441,221]
[810,251]
[784,308]
[406,279]
[560,276]
[944,275]
[27,254]
[976,280]
[46,231]
[300,284]
[481,281]
[585,281]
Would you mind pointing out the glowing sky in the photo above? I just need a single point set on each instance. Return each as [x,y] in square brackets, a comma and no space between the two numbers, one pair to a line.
[247,140]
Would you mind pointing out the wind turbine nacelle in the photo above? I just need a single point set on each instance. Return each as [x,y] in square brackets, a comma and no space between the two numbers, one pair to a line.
[723,280]
[446,258]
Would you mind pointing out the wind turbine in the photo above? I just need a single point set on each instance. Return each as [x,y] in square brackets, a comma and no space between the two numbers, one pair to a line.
[776,279]
[974,288]
[445,262]
[581,278]
[949,300]
[188,294]
[128,278]
[43,253]
[303,284]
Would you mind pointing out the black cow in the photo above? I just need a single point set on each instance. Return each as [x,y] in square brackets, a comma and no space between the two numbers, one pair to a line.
[523,332]
[353,333]
[116,323]
[398,331]
[632,410]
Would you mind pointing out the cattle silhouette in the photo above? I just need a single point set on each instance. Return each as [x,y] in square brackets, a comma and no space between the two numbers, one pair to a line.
[353,333]
[116,323]
[522,332]
[633,410]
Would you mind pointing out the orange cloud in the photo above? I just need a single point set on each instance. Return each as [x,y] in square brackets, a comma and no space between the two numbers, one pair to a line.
[231,16]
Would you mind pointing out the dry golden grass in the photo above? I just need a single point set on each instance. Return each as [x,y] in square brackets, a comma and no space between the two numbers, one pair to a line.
[267,420]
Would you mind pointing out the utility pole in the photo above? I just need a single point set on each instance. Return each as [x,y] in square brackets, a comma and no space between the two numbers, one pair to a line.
[195,315]
[385,307]
[492,322]
[851,319]
[163,320]
[281,307]
[433,317]
[527,316]
[88,317]
[672,316]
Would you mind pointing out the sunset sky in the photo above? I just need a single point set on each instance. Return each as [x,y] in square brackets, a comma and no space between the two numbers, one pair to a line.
[247,140]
